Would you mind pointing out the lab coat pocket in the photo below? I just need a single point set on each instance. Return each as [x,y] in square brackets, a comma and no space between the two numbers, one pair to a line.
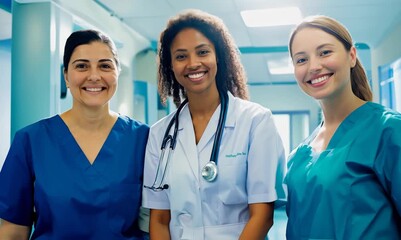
[232,181]
[124,203]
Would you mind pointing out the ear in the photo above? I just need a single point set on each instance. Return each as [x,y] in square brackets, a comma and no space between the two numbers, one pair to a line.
[66,79]
[353,56]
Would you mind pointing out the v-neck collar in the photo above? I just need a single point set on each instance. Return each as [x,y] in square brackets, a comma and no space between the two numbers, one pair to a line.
[343,128]
[74,150]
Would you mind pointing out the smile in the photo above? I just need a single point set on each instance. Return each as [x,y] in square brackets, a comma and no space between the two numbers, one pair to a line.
[319,80]
[98,89]
[196,75]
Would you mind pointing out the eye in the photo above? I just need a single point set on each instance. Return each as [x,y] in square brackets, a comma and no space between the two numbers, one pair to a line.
[203,52]
[81,66]
[180,57]
[300,60]
[325,52]
[106,66]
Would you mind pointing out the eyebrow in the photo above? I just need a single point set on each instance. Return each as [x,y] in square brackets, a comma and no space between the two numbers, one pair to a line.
[325,45]
[318,48]
[197,47]
[86,60]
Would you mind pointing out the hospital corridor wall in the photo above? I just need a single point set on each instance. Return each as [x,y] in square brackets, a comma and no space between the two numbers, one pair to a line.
[31,91]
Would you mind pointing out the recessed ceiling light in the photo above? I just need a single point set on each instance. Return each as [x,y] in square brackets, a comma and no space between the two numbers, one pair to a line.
[280,66]
[271,17]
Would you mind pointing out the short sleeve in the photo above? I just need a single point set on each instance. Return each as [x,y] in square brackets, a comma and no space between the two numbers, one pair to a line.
[16,183]
[150,198]
[266,163]
[388,161]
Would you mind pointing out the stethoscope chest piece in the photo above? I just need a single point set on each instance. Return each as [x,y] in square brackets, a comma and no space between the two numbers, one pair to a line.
[209,171]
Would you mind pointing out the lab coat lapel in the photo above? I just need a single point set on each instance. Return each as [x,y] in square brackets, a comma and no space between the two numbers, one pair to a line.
[211,129]
[186,138]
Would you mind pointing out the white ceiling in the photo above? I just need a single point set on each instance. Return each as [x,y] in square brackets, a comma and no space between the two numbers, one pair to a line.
[368,21]
[360,16]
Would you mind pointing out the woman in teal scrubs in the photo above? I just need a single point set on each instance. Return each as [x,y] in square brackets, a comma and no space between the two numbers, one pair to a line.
[77,175]
[344,181]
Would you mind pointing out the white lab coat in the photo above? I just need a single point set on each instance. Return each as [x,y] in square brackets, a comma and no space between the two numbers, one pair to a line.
[251,155]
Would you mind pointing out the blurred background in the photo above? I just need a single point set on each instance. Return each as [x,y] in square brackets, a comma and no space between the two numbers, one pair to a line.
[33,33]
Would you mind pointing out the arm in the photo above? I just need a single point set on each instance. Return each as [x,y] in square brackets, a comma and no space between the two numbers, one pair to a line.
[159,224]
[16,194]
[11,231]
[260,221]
[387,165]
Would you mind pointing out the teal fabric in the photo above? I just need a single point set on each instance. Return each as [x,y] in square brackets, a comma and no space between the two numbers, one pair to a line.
[352,190]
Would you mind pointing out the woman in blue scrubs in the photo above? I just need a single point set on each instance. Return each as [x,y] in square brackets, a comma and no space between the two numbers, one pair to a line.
[344,181]
[77,175]
[199,62]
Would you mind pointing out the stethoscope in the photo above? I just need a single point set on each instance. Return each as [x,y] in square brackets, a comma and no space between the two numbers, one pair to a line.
[209,171]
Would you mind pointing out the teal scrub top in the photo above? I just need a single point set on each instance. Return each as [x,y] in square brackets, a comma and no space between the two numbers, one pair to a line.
[46,180]
[352,190]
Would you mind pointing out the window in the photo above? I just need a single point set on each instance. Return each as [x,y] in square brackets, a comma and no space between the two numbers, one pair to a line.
[293,128]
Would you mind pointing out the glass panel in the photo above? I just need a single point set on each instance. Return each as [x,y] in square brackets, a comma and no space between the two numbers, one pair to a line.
[283,126]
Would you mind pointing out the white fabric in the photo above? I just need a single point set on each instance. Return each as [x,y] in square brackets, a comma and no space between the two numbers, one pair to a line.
[251,153]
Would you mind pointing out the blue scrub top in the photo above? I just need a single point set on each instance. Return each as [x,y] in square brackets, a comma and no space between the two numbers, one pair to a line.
[352,190]
[47,180]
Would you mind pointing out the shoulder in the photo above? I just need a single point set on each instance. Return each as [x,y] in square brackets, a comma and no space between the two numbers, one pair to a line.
[37,133]
[248,110]
[385,124]
[40,125]
[387,117]
[133,124]
[163,122]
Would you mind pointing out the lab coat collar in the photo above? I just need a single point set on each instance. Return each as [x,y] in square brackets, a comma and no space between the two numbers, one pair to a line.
[231,116]
[187,138]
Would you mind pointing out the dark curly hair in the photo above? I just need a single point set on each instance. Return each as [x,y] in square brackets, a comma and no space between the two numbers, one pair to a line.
[230,72]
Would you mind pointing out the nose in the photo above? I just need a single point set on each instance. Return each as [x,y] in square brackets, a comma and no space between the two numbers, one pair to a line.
[314,65]
[193,62]
[94,74]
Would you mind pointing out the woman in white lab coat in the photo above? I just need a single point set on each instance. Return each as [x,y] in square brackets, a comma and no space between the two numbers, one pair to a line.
[199,63]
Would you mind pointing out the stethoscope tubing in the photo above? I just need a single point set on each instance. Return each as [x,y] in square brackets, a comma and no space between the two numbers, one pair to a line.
[220,127]
[212,164]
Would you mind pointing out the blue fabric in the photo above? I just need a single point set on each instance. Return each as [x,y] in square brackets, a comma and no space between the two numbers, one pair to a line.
[352,190]
[47,180]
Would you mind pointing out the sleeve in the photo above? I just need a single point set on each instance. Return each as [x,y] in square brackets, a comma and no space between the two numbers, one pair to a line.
[388,161]
[153,199]
[16,183]
[266,163]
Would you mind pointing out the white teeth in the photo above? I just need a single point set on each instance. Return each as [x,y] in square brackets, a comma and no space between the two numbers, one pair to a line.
[94,89]
[196,75]
[318,80]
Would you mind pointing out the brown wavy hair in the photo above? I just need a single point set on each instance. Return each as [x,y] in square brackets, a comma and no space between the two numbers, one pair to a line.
[359,80]
[230,72]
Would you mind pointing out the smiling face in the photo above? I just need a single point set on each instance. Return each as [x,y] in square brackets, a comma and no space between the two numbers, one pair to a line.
[194,63]
[92,75]
[321,64]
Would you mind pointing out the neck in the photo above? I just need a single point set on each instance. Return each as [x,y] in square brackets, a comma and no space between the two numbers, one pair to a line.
[89,119]
[336,110]
[203,105]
